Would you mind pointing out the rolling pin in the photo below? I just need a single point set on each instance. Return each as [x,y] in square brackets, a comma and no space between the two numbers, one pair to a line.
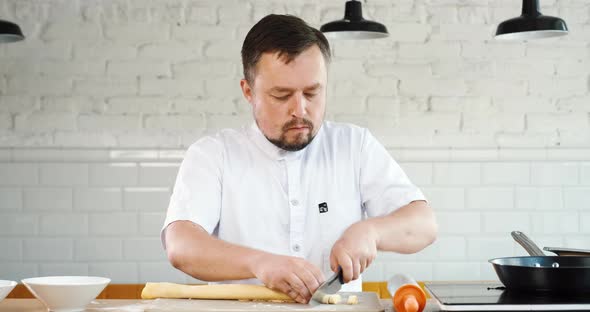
[406,294]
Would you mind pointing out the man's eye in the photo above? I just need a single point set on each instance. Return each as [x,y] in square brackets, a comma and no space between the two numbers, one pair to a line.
[281,98]
[310,95]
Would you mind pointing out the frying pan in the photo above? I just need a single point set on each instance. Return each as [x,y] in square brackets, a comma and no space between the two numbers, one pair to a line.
[540,273]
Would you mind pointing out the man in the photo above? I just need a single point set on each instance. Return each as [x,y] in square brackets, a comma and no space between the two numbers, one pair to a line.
[291,198]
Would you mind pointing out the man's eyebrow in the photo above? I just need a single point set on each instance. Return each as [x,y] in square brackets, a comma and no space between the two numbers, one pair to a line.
[281,89]
[286,89]
[315,86]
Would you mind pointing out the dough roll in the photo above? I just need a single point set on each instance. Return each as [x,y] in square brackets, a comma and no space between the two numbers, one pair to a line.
[216,291]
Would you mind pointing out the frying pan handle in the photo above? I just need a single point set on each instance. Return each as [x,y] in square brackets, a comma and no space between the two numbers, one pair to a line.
[527,244]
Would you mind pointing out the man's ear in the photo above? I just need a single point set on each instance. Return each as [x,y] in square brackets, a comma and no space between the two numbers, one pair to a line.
[246,90]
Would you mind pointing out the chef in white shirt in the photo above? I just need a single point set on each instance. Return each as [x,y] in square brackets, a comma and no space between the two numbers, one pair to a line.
[290,198]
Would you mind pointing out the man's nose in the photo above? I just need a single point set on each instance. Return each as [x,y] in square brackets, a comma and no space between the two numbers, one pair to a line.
[299,105]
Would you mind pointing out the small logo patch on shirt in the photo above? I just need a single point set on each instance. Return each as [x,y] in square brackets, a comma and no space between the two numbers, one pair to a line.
[323,207]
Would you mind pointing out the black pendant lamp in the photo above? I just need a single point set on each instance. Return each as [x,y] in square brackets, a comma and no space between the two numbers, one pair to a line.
[10,32]
[531,24]
[353,25]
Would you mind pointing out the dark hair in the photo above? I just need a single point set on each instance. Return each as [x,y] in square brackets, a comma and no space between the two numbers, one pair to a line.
[286,34]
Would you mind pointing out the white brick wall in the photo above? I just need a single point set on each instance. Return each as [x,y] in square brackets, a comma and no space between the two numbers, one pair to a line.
[85,199]
[92,130]
[98,57]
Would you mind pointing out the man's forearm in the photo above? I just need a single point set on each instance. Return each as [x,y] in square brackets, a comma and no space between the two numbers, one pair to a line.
[192,250]
[409,229]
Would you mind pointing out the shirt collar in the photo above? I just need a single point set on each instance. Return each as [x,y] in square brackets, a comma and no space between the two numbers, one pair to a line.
[270,149]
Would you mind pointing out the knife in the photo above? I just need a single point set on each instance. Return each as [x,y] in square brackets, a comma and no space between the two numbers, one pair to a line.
[331,286]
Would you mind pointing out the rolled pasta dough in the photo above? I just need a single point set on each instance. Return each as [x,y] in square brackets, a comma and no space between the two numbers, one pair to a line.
[218,291]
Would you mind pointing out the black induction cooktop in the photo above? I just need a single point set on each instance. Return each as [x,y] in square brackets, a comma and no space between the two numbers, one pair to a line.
[492,296]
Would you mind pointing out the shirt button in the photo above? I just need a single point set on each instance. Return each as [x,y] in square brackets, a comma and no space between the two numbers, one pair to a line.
[296,248]
[294,202]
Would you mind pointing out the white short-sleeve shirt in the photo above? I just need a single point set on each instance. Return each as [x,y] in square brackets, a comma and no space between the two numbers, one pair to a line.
[243,189]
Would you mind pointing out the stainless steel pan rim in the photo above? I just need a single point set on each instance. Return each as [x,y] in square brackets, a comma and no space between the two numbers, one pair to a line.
[545,262]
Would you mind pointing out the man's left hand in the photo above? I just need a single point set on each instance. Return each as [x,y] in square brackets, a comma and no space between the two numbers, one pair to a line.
[354,251]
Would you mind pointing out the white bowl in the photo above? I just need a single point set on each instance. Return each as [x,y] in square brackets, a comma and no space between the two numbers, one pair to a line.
[5,288]
[66,293]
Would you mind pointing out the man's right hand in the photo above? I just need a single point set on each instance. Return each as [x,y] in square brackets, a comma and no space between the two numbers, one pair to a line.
[293,276]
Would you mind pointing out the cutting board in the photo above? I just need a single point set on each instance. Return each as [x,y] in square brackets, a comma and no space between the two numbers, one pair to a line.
[368,302]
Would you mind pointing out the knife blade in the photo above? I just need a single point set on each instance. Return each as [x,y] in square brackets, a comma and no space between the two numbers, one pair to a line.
[331,286]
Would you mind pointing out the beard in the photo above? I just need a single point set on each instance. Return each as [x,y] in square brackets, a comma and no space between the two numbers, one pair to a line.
[299,140]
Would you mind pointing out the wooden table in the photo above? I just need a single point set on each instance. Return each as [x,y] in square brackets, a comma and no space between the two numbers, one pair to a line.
[113,305]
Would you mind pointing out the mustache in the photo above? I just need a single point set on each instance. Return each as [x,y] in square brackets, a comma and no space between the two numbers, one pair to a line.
[298,122]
